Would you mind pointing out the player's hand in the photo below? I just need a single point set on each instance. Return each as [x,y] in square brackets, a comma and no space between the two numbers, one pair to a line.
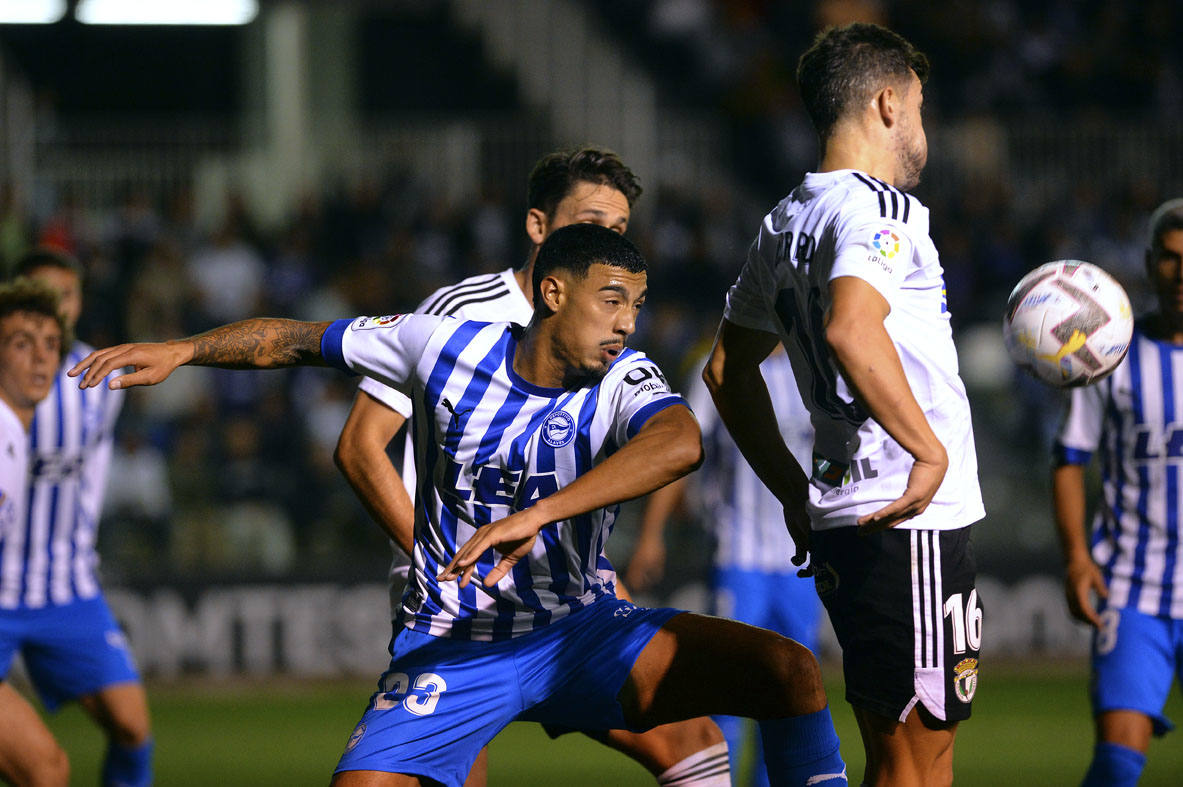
[513,537]
[923,481]
[647,565]
[152,363]
[1080,578]
[797,523]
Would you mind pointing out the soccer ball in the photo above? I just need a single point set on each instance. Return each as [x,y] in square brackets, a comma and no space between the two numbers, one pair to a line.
[1068,323]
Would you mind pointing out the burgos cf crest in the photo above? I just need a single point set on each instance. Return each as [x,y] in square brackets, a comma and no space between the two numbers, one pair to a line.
[886,243]
[965,679]
[558,429]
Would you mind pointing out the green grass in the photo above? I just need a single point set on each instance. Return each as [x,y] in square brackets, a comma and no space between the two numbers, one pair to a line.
[1031,726]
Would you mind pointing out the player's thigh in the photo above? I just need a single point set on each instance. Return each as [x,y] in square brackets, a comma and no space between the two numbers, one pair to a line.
[917,751]
[28,752]
[697,665]
[906,612]
[77,650]
[121,710]
[439,702]
[1133,664]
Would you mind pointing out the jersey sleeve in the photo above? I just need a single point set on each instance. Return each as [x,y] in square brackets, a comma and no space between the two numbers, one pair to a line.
[638,393]
[386,349]
[749,301]
[877,250]
[391,397]
[1080,431]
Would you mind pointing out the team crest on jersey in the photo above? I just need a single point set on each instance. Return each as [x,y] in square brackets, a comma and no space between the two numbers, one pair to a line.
[886,243]
[965,679]
[558,429]
[358,733]
[366,323]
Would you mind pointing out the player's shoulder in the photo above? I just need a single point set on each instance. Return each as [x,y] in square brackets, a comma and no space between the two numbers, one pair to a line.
[633,368]
[867,199]
[451,300]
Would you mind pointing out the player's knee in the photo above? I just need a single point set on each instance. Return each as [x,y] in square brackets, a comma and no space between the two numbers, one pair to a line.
[130,731]
[51,768]
[796,672]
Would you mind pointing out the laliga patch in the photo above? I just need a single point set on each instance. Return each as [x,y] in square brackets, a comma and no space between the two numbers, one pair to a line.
[965,679]
[886,243]
[354,739]
[558,429]
[366,323]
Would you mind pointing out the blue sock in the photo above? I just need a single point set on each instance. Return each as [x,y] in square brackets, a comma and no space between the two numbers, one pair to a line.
[1114,765]
[128,767]
[803,750]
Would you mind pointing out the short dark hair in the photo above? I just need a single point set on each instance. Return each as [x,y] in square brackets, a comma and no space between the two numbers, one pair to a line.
[845,65]
[26,295]
[1166,218]
[46,257]
[555,175]
[576,247]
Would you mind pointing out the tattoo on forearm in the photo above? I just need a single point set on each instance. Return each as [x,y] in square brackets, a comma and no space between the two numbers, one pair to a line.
[260,343]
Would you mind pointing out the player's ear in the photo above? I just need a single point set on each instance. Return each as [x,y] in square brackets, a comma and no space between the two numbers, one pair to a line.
[552,291]
[536,224]
[886,106]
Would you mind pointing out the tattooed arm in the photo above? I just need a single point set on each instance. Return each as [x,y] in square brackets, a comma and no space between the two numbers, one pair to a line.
[260,343]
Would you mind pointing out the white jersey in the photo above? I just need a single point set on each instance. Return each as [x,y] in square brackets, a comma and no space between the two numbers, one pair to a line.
[747,520]
[14,488]
[845,223]
[488,298]
[487,444]
[1135,417]
[51,559]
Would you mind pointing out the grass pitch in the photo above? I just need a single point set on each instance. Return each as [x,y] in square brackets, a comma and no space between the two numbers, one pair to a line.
[1031,726]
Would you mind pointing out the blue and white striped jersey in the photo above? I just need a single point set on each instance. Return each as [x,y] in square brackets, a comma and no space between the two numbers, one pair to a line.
[488,443]
[51,560]
[747,520]
[488,297]
[1134,418]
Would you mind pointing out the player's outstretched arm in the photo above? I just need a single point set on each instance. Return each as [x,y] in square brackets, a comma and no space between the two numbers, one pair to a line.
[361,457]
[1081,575]
[871,367]
[259,343]
[732,375]
[666,448]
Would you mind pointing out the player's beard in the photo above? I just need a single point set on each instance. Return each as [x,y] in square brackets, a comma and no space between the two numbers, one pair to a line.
[911,156]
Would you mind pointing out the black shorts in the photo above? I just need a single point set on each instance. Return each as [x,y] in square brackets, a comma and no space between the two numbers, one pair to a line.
[907,615]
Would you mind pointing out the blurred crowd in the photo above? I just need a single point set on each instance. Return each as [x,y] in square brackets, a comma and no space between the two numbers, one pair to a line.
[223,470]
[229,472]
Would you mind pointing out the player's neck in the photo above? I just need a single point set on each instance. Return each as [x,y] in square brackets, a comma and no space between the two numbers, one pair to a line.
[536,360]
[525,277]
[23,414]
[849,151]
[1166,327]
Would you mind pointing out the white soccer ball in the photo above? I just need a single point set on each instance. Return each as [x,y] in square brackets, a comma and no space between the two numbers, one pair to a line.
[1068,323]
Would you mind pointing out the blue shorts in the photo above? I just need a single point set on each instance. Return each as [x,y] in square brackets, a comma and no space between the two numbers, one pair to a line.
[781,602]
[1135,659]
[70,651]
[442,700]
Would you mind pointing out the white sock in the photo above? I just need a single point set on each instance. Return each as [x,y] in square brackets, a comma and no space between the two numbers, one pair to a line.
[706,768]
